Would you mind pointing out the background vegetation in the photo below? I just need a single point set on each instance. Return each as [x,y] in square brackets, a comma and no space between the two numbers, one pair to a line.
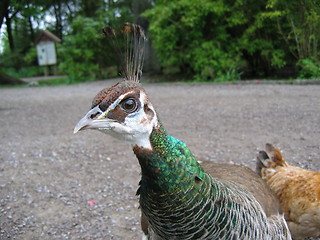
[202,40]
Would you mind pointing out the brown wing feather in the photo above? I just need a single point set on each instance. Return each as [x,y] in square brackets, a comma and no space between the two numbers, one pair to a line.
[248,180]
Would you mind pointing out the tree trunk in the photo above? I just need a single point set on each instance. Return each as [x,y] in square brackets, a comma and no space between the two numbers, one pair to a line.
[57,13]
[4,5]
[32,35]
[9,32]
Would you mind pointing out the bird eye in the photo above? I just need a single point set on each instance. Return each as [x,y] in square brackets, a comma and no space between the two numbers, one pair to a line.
[129,105]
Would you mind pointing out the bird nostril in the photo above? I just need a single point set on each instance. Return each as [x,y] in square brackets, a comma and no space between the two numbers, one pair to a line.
[94,115]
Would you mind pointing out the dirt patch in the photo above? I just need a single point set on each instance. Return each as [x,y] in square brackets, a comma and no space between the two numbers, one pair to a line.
[56,185]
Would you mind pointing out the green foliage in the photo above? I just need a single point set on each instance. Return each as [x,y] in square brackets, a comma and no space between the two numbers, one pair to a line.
[298,22]
[24,72]
[82,50]
[31,56]
[85,53]
[309,68]
[182,34]
[206,40]
[216,39]
[212,39]
[53,82]
[211,63]
[20,65]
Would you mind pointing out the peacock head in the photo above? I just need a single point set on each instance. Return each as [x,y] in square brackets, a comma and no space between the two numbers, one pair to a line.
[123,111]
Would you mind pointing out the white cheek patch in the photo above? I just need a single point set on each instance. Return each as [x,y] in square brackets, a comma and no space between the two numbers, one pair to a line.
[137,126]
[140,126]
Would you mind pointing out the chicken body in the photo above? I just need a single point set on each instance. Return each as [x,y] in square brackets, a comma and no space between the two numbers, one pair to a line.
[297,189]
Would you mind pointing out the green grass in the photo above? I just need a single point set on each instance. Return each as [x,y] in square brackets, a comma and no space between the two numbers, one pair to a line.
[41,83]
[54,82]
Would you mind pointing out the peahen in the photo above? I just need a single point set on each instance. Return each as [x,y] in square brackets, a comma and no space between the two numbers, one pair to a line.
[179,198]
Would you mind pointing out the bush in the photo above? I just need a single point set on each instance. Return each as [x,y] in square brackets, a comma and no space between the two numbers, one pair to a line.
[211,63]
[309,68]
[83,53]
[25,72]
[212,39]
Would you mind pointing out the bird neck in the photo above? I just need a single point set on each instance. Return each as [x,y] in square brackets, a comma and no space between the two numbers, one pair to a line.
[168,165]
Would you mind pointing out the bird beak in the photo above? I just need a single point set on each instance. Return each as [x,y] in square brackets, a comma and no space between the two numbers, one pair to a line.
[94,119]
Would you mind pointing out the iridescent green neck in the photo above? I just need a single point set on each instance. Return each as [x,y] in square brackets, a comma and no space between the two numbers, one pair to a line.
[170,165]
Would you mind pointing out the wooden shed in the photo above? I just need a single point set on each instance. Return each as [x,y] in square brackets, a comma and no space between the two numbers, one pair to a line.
[46,50]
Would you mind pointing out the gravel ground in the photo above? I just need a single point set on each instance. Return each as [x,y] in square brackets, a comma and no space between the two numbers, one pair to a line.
[56,185]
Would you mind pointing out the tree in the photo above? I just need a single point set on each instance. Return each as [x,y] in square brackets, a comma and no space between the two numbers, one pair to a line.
[4,5]
[21,17]
[84,52]
[13,9]
[214,39]
[4,14]
[195,37]
[298,24]
[82,49]
[90,8]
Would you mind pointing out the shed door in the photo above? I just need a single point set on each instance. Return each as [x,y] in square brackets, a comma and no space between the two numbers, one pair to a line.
[46,53]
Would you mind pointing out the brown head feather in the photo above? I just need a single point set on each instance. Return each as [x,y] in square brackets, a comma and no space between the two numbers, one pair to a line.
[108,95]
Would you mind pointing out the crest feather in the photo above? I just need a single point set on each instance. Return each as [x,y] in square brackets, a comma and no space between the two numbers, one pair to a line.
[130,52]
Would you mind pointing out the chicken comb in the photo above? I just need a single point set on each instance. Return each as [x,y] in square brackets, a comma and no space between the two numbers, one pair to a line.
[128,44]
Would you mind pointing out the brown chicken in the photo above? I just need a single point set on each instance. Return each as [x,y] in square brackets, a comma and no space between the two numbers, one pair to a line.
[297,189]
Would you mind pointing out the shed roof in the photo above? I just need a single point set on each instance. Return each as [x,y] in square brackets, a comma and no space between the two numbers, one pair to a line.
[47,36]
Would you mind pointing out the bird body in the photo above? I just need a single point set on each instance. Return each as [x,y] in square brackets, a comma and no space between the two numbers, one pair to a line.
[182,201]
[297,189]
[246,179]
[178,198]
